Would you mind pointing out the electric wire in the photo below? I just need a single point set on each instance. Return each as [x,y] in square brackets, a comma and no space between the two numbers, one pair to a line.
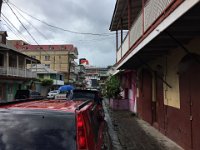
[9,27]
[59,28]
[25,29]
[18,9]
[19,32]
[22,24]
[33,26]
[11,24]
[104,34]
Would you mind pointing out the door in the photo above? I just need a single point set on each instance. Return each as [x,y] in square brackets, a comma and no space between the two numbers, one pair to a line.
[160,109]
[195,104]
[190,100]
[145,96]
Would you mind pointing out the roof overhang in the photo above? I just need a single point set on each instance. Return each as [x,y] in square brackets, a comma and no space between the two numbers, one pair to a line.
[6,48]
[120,15]
[160,41]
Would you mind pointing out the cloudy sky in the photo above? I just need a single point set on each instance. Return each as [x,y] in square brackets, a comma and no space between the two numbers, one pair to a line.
[80,16]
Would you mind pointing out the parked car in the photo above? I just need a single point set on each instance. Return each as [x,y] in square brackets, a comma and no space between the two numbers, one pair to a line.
[51,125]
[52,94]
[27,95]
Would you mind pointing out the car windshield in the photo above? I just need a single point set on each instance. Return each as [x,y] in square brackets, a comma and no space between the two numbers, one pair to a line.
[77,95]
[34,130]
[84,95]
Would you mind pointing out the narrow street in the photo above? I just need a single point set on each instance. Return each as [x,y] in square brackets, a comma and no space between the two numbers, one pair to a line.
[127,132]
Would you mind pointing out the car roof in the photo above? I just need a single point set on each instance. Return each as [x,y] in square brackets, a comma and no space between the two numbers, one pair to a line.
[57,105]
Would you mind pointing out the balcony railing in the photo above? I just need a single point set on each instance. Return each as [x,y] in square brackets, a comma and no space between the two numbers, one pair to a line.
[152,10]
[12,71]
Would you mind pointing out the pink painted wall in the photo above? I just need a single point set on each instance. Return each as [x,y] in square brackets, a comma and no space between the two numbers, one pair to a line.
[132,94]
[121,104]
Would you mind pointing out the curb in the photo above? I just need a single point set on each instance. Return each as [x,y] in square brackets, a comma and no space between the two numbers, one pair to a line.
[113,135]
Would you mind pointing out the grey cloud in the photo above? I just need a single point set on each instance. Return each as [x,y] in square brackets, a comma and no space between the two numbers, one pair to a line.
[77,15]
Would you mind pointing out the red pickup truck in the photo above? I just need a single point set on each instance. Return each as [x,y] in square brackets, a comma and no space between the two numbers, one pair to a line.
[51,125]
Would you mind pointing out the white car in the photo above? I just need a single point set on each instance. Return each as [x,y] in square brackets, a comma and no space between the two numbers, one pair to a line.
[52,94]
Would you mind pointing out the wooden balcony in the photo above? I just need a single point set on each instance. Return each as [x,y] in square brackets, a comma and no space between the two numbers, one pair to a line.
[12,71]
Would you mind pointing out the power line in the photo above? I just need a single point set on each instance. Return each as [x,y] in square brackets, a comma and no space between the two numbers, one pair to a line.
[96,40]
[9,27]
[8,21]
[59,28]
[33,26]
[26,29]
[22,24]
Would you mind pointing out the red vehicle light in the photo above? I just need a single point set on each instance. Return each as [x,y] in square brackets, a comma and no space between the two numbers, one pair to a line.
[81,133]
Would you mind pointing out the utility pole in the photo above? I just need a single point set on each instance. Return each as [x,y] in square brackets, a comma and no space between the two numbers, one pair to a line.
[1,1]
[69,65]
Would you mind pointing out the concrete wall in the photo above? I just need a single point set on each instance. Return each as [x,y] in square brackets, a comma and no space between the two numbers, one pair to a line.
[172,95]
[169,65]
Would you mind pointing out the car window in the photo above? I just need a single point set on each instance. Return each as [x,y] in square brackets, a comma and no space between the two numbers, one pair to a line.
[34,131]
[84,95]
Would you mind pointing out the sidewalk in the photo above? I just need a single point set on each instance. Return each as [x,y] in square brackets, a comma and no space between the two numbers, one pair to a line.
[128,132]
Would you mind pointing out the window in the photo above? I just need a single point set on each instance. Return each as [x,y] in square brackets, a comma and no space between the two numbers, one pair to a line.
[46,57]
[47,65]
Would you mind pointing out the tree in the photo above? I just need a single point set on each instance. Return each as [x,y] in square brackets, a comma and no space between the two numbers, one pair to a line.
[112,88]
[47,82]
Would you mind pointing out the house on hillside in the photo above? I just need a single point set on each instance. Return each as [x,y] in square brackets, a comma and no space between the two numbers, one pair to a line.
[158,63]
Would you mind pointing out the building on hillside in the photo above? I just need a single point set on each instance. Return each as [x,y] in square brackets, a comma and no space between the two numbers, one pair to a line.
[44,72]
[160,57]
[14,74]
[95,77]
[59,58]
